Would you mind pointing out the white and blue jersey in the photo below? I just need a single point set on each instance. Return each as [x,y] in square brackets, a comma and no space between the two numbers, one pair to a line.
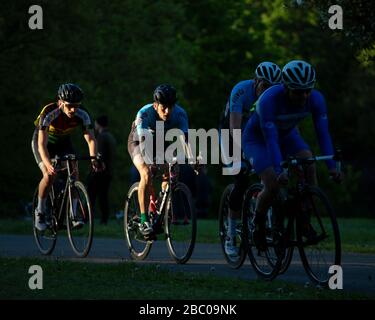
[271,133]
[147,116]
[242,99]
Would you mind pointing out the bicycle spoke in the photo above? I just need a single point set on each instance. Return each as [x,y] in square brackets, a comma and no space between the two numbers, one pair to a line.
[80,220]
[320,240]
[180,224]
[45,240]
[138,246]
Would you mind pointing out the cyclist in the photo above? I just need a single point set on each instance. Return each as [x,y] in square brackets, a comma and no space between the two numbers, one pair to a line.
[238,110]
[271,134]
[51,137]
[164,108]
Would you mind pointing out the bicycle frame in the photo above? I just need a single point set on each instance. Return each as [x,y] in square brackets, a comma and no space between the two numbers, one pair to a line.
[172,179]
[60,201]
[70,159]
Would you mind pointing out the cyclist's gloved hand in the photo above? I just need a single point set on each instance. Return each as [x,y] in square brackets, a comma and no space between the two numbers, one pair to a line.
[96,165]
[336,176]
[283,178]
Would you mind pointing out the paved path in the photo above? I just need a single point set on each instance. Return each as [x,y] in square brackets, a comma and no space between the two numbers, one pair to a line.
[358,269]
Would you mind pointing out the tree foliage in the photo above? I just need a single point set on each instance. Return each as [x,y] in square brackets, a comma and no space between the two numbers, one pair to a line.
[118,51]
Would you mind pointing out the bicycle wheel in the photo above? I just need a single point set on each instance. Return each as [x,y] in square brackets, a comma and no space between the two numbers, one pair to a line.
[322,248]
[265,263]
[138,246]
[180,223]
[233,261]
[45,240]
[281,221]
[80,222]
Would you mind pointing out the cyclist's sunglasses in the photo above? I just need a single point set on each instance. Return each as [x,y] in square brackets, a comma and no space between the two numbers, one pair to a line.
[71,105]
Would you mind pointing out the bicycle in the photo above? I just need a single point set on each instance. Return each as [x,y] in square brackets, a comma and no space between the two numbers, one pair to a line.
[60,212]
[173,214]
[234,262]
[300,216]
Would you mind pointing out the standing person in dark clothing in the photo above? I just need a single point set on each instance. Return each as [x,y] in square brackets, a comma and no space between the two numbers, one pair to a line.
[99,182]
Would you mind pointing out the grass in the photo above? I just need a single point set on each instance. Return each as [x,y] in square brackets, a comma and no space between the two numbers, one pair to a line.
[357,234]
[83,280]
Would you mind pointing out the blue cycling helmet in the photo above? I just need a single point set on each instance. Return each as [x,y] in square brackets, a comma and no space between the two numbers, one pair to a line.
[298,74]
[268,71]
[165,94]
[70,93]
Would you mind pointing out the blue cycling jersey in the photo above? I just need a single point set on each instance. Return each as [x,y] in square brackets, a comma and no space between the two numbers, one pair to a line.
[242,99]
[275,118]
[147,116]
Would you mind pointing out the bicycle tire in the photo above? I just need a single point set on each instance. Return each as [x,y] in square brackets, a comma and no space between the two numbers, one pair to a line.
[40,236]
[260,260]
[80,238]
[237,261]
[180,223]
[138,247]
[287,235]
[321,218]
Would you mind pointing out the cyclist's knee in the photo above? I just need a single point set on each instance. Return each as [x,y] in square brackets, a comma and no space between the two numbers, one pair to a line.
[145,175]
[304,154]
[269,180]
[48,179]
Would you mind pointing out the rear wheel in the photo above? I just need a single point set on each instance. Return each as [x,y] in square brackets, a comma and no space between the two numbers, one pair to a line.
[318,236]
[139,247]
[180,223]
[234,261]
[45,240]
[79,220]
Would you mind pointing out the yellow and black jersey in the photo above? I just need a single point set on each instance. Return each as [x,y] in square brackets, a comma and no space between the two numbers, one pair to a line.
[58,125]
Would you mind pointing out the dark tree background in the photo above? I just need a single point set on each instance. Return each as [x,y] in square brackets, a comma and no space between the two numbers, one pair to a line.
[118,51]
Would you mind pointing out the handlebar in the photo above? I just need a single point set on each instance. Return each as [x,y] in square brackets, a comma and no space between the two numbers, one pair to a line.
[295,161]
[73,157]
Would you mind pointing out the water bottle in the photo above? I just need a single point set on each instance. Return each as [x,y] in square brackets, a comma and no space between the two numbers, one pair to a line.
[152,206]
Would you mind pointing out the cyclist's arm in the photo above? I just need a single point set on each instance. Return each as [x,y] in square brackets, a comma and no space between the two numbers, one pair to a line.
[183,125]
[320,118]
[235,121]
[43,151]
[236,103]
[91,142]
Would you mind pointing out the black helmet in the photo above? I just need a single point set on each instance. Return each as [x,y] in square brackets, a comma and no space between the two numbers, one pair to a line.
[70,93]
[165,94]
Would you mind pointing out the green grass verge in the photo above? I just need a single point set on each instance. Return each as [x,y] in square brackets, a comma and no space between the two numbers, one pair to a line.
[84,280]
[357,235]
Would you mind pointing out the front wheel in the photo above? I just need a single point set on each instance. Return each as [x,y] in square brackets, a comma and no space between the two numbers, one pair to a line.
[79,219]
[45,240]
[139,247]
[266,263]
[180,223]
[318,236]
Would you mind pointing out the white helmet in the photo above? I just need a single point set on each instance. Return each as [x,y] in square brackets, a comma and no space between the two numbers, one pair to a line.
[298,74]
[268,71]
